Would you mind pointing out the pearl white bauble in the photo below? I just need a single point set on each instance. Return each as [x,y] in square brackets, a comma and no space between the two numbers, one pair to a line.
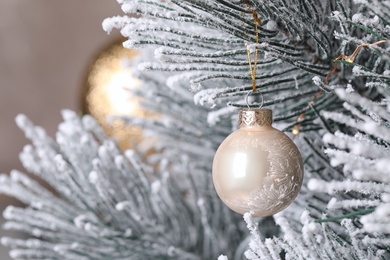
[257,168]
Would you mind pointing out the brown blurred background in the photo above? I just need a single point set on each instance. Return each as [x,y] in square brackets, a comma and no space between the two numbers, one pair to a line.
[45,49]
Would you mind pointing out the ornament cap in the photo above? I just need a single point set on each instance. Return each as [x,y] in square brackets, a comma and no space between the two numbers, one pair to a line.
[255,117]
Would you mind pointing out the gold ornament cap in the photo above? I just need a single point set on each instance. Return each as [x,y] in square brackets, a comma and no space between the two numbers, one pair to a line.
[255,117]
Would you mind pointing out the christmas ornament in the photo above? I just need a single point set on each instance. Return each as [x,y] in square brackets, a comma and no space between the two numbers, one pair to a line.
[257,168]
[107,94]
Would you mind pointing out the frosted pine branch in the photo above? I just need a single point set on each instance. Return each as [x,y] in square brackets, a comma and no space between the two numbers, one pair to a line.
[296,48]
[109,204]
[196,49]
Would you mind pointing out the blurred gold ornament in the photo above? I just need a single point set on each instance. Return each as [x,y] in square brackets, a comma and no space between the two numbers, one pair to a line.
[108,93]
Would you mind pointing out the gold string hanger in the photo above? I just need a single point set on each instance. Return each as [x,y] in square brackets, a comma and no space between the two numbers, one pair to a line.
[252,68]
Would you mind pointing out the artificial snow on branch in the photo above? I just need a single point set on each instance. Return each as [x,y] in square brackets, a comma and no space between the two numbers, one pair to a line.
[109,205]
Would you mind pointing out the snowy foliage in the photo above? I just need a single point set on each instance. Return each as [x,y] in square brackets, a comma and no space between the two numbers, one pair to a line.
[109,205]
[195,73]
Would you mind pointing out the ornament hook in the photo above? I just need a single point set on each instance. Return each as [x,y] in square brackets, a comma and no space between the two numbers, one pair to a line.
[247,96]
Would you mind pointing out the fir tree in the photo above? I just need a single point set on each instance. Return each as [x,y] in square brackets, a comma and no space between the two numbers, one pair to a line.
[324,69]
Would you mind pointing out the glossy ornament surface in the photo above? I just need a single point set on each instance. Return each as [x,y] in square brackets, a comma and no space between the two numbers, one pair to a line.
[257,168]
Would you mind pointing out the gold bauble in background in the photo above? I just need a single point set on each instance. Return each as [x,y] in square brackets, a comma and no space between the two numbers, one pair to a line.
[107,93]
